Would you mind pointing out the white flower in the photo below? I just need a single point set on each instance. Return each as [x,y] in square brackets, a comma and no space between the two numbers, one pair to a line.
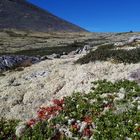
[93,125]
[66,117]
[128,138]
[78,121]
[105,110]
[92,138]
[66,131]
[137,99]
[93,101]
[103,95]
[51,117]
[130,121]
[83,125]
[122,90]
[120,96]
[70,121]
[77,106]
[104,101]
[138,107]
[136,124]
[20,129]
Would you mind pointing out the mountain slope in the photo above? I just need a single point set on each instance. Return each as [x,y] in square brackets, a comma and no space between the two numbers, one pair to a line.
[20,14]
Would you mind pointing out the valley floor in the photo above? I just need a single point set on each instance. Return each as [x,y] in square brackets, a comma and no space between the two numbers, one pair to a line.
[101,110]
[23,92]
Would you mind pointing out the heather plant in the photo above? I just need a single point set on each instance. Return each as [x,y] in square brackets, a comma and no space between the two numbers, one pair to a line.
[107,52]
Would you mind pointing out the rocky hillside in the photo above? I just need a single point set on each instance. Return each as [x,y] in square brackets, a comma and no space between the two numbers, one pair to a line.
[19,14]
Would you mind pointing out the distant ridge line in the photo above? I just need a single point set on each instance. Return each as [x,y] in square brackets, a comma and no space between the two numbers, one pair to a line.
[22,15]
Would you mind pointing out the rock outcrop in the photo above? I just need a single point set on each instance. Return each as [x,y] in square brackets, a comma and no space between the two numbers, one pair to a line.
[86,49]
[9,62]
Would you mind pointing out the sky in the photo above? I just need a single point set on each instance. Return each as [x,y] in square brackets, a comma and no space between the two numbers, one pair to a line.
[96,15]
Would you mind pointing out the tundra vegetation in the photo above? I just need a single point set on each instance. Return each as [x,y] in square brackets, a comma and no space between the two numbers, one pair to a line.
[109,111]
[108,52]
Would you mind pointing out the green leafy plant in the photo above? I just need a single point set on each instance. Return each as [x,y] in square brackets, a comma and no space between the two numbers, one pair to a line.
[7,129]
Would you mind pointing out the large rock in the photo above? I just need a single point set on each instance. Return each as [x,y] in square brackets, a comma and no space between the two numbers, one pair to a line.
[86,49]
[8,62]
[133,39]
[54,55]
[135,75]
[37,74]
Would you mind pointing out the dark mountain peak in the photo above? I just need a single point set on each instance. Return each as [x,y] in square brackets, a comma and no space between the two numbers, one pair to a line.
[22,15]
[18,0]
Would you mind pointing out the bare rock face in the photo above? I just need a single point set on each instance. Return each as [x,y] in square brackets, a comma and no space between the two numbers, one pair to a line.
[8,62]
[135,75]
[86,49]
[19,14]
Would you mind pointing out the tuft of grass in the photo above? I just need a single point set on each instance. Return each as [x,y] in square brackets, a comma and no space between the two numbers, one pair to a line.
[107,52]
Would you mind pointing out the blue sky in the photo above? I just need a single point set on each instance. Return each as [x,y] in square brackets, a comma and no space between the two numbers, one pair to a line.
[96,15]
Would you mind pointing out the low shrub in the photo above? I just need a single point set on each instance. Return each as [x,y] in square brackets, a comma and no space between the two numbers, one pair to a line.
[7,129]
[26,63]
[109,111]
[2,74]
[105,53]
[48,50]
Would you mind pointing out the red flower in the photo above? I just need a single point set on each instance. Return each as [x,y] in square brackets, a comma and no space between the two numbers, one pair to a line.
[46,113]
[88,119]
[58,102]
[87,132]
[138,129]
[31,122]
[48,110]
[109,105]
[75,126]
[42,113]
[57,108]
